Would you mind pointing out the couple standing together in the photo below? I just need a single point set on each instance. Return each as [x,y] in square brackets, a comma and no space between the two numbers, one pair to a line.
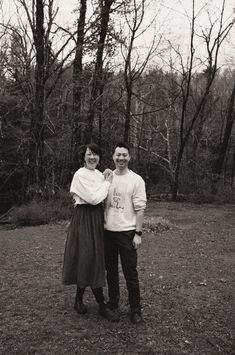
[99,233]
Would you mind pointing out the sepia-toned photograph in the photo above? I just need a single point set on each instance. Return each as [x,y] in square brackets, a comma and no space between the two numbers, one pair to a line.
[117,168]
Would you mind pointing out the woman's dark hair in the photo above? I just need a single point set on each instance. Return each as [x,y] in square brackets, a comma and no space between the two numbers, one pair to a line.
[94,148]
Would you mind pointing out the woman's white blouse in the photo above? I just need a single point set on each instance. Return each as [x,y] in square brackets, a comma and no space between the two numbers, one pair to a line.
[89,187]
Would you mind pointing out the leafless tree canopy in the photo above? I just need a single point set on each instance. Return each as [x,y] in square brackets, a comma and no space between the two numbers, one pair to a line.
[97,80]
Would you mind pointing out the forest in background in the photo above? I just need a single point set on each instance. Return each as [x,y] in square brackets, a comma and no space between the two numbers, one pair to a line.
[63,87]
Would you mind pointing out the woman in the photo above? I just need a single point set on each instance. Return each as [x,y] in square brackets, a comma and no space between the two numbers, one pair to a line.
[84,255]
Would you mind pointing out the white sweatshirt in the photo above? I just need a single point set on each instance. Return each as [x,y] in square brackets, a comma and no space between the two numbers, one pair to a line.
[126,196]
[89,187]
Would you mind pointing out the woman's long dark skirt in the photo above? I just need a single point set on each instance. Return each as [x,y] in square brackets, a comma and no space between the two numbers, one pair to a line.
[84,248]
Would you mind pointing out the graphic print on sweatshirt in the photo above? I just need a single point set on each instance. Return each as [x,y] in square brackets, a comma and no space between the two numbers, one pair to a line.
[117,201]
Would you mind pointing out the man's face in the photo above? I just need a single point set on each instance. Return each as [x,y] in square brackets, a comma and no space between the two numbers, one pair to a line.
[121,158]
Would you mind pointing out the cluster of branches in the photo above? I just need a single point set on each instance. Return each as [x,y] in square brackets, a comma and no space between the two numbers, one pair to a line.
[56,98]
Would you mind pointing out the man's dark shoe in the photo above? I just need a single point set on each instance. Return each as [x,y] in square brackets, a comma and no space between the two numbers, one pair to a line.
[80,307]
[109,314]
[136,317]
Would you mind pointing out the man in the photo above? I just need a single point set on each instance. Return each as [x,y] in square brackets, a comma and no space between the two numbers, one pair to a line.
[124,215]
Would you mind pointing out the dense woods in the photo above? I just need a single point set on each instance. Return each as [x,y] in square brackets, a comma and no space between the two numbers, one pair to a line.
[64,87]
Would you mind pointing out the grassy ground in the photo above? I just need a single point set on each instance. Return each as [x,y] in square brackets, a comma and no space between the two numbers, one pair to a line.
[186,275]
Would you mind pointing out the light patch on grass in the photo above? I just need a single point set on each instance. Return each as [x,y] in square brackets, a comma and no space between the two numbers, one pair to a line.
[156,224]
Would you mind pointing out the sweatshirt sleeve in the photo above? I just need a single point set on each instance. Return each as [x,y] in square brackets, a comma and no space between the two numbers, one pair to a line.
[139,195]
[81,186]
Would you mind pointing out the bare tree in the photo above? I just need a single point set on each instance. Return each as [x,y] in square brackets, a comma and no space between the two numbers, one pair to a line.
[213,46]
[36,150]
[78,119]
[46,65]
[97,80]
[218,166]
[133,67]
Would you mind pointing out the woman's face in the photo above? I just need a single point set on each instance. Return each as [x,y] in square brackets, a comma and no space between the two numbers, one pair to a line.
[91,159]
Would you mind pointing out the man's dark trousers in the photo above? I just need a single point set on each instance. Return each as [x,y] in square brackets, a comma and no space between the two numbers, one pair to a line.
[120,243]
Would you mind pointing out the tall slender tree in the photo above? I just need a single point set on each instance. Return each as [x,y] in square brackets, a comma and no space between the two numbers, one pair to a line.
[133,67]
[78,116]
[218,166]
[36,173]
[97,80]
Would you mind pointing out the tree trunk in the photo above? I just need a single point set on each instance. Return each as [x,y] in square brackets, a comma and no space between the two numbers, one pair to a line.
[78,120]
[128,113]
[227,133]
[233,169]
[36,174]
[100,115]
[175,186]
[97,82]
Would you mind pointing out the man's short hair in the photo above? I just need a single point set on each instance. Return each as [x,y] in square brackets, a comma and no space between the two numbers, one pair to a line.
[122,145]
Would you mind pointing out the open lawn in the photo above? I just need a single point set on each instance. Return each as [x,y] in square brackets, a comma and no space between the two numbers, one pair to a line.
[187,287]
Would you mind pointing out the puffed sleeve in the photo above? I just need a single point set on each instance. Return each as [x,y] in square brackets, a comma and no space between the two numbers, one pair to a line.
[83,187]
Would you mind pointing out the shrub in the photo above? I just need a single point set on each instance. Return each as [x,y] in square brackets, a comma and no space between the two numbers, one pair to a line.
[43,212]
[225,194]
[31,214]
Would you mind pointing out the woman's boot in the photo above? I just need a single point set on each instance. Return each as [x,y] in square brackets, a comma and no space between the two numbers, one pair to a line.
[79,305]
